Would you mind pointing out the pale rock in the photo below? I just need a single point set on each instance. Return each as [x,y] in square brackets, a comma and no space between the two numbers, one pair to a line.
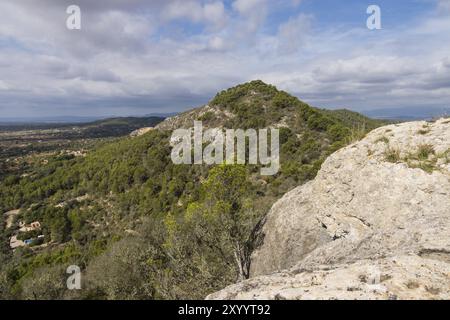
[360,212]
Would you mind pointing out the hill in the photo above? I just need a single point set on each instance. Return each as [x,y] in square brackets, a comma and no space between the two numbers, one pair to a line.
[141,227]
[259,105]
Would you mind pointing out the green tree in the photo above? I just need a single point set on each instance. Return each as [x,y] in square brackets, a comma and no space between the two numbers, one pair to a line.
[230,219]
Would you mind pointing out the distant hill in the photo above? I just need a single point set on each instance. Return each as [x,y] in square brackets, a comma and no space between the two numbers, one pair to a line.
[111,127]
[119,126]
[48,120]
[72,120]
[408,113]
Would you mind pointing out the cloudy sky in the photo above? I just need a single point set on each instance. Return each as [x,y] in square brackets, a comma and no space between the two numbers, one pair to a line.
[135,57]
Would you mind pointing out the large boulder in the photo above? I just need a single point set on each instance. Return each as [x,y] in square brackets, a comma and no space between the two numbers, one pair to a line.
[383,202]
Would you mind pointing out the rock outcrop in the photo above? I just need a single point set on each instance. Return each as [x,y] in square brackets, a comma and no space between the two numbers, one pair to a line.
[140,132]
[212,116]
[374,224]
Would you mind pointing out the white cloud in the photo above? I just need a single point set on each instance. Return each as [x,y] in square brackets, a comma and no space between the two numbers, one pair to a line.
[248,7]
[217,43]
[444,5]
[129,56]
[212,13]
[292,34]
[253,12]
[215,13]
[3,85]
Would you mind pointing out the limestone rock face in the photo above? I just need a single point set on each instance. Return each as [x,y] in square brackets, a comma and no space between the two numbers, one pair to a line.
[380,204]
[400,277]
[211,116]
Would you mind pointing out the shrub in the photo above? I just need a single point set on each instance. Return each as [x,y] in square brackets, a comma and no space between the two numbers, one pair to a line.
[392,155]
[206,116]
[424,151]
[423,131]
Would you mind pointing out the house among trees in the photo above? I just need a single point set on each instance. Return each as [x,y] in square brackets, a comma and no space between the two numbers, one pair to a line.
[36,225]
[26,235]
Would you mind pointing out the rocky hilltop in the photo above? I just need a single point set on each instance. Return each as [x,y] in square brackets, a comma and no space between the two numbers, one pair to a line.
[374,224]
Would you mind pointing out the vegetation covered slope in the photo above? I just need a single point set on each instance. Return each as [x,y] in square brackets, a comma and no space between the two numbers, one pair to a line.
[140,226]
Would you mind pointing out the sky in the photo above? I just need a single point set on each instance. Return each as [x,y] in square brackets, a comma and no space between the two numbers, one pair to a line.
[136,57]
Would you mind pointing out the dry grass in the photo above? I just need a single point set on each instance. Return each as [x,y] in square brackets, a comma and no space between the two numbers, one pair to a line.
[425,151]
[356,134]
[382,139]
[392,155]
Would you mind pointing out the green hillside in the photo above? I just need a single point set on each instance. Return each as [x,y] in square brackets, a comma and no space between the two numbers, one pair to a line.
[141,227]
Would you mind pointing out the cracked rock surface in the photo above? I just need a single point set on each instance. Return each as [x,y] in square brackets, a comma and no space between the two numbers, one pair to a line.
[366,215]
